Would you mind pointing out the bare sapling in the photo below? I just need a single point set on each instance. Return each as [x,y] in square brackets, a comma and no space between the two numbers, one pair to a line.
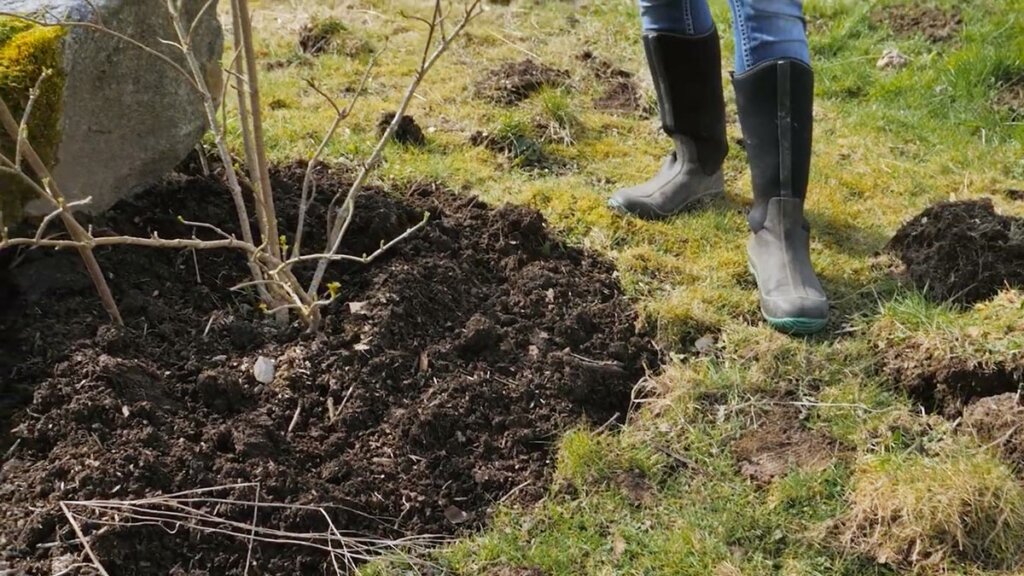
[271,261]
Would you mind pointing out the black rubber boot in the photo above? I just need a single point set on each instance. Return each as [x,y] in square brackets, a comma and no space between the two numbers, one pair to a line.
[775,102]
[687,74]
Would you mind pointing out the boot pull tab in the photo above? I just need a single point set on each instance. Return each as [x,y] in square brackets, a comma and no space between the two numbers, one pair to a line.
[785,121]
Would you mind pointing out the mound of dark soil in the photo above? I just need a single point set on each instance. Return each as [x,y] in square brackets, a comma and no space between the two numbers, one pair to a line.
[438,386]
[912,19]
[620,90]
[408,131]
[513,82]
[963,252]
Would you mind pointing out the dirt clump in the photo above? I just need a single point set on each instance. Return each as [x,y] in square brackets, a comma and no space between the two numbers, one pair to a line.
[778,444]
[620,91]
[407,132]
[907,20]
[998,421]
[962,252]
[513,82]
[439,383]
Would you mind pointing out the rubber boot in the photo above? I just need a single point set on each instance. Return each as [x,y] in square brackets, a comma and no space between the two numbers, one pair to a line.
[775,102]
[687,73]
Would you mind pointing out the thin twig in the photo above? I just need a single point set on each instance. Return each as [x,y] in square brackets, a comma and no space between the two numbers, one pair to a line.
[82,540]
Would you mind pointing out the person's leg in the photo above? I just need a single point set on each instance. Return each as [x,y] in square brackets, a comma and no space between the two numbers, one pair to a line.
[683,52]
[768,30]
[774,87]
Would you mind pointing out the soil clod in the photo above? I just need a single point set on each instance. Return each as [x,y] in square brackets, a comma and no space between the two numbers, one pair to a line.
[962,252]
[513,82]
[407,132]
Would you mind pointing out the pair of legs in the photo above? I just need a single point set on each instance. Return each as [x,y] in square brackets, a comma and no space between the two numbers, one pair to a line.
[774,88]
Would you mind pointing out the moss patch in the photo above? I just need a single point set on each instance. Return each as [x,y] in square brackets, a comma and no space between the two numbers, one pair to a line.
[27,51]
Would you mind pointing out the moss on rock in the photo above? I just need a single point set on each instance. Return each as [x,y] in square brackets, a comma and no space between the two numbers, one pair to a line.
[26,52]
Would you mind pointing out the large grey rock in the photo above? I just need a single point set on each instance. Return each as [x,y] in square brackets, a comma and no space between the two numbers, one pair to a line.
[128,118]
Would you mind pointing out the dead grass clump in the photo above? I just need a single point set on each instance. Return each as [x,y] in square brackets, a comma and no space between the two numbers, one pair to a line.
[917,512]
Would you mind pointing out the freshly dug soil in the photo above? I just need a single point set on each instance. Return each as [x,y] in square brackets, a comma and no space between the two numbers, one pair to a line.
[513,82]
[408,131]
[438,386]
[946,385]
[907,20]
[620,93]
[779,445]
[999,421]
[963,252]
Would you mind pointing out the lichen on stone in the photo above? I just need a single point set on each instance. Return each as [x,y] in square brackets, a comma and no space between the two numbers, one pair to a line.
[26,52]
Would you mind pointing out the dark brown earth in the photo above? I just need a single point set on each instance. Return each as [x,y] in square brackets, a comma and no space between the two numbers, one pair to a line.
[944,384]
[962,252]
[408,131]
[513,82]
[779,443]
[934,24]
[438,386]
[620,91]
[998,421]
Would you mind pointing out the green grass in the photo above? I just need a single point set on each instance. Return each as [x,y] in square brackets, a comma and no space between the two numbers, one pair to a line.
[887,144]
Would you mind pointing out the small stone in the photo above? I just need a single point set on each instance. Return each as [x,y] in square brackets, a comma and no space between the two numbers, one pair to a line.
[892,59]
[264,370]
[455,515]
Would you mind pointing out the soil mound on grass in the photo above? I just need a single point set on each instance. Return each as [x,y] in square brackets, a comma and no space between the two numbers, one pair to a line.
[907,20]
[963,252]
[438,386]
[407,132]
[513,82]
[620,92]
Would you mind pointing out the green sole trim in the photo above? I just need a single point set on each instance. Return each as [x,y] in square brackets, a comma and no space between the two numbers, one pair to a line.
[797,326]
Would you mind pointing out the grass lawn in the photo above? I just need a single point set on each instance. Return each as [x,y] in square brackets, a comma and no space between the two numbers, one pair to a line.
[868,484]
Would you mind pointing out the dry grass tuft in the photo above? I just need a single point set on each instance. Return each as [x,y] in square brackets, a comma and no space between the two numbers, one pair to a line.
[919,512]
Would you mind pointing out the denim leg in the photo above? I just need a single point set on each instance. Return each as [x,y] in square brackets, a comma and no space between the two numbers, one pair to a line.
[768,30]
[683,17]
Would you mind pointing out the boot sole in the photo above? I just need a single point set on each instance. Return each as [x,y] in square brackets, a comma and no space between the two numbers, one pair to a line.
[653,214]
[795,326]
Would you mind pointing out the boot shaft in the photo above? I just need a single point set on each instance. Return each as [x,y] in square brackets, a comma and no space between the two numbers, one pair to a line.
[775,101]
[687,74]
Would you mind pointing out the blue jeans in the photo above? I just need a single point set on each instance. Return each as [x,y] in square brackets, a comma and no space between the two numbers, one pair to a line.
[764,29]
